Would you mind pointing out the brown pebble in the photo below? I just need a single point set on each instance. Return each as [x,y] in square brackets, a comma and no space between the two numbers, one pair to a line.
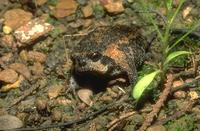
[41,104]
[23,116]
[87,11]
[35,56]
[56,116]
[177,83]
[107,99]
[85,95]
[8,75]
[54,90]
[114,8]
[198,117]
[16,17]
[8,122]
[156,128]
[7,57]
[195,109]
[7,41]
[23,56]
[21,68]
[7,87]
[37,69]
[179,94]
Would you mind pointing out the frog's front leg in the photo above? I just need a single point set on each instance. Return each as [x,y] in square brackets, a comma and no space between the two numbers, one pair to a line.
[132,74]
[73,86]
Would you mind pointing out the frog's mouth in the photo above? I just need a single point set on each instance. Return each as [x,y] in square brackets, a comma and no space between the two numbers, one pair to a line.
[92,71]
[95,80]
[95,68]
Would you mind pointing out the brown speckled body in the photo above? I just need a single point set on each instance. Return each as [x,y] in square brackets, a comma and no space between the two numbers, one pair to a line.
[110,51]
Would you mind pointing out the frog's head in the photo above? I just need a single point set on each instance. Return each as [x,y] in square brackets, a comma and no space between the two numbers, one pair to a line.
[93,63]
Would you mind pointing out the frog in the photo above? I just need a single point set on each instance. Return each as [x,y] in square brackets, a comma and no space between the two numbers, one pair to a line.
[109,53]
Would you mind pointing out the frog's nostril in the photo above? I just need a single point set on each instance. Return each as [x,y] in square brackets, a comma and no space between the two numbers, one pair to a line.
[82,62]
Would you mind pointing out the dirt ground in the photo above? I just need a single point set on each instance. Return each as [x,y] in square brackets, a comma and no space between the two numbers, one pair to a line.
[37,39]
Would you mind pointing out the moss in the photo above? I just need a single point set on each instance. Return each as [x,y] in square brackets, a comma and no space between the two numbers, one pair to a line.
[186,123]
[54,2]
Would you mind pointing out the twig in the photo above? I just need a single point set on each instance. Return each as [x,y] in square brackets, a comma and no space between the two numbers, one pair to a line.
[183,74]
[158,105]
[66,53]
[184,31]
[76,121]
[125,3]
[76,35]
[25,93]
[36,7]
[185,85]
[120,118]
[118,125]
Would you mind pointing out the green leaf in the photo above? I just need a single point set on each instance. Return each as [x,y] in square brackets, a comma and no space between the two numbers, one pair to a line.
[175,54]
[143,83]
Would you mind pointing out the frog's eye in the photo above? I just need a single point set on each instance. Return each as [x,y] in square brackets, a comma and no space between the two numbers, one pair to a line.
[95,56]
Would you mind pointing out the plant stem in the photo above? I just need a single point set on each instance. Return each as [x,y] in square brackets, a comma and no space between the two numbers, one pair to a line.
[165,40]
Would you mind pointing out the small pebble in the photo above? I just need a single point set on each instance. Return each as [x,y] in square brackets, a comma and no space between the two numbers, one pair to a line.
[13,111]
[3,94]
[7,30]
[56,116]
